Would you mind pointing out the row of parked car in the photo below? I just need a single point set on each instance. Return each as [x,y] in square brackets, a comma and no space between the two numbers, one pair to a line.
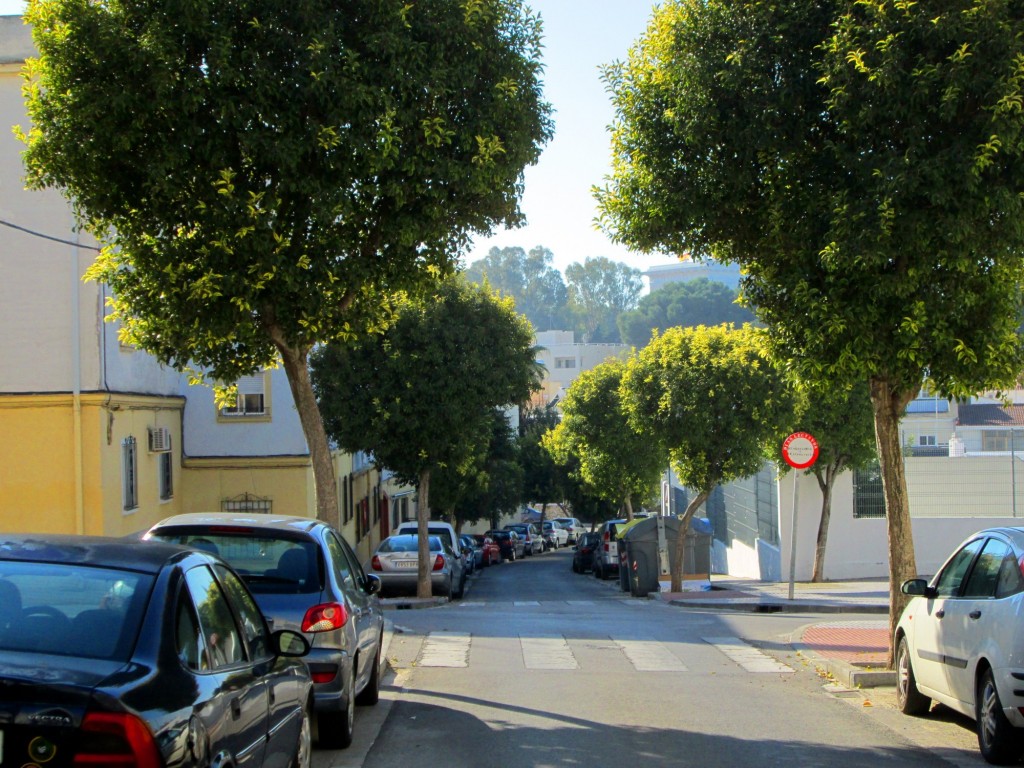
[208,639]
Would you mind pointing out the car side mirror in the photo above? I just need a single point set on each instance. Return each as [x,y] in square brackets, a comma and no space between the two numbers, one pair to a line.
[372,584]
[288,642]
[917,587]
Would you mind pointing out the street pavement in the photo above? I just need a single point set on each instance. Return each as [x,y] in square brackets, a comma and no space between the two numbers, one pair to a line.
[853,652]
[846,639]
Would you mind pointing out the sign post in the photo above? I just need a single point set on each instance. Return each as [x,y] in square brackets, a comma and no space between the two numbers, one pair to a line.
[800,450]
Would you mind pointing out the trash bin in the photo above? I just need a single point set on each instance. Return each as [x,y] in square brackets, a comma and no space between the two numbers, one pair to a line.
[642,562]
[623,569]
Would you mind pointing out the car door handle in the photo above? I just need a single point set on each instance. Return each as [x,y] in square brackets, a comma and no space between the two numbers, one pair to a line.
[975,614]
[236,708]
[940,613]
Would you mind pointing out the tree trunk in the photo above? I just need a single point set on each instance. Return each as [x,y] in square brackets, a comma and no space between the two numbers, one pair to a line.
[684,526]
[825,482]
[423,587]
[628,503]
[889,403]
[296,367]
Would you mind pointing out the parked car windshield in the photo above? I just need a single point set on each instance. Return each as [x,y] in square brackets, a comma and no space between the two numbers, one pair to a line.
[96,612]
[268,564]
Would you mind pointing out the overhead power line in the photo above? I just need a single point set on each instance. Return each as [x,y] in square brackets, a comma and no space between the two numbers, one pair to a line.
[48,237]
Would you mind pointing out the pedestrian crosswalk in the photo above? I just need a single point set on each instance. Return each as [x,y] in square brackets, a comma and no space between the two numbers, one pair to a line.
[557,652]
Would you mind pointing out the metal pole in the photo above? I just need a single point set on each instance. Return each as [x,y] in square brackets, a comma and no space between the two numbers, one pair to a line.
[1013,469]
[792,543]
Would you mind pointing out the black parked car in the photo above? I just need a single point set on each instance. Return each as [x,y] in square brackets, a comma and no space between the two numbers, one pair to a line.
[583,556]
[116,654]
[305,576]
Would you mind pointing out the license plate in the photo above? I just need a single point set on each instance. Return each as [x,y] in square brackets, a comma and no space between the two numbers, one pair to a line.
[405,564]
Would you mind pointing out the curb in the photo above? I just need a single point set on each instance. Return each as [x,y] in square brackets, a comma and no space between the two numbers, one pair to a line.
[758,605]
[850,675]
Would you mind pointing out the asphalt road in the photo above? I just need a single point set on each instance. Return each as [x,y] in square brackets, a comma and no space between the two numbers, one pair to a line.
[538,666]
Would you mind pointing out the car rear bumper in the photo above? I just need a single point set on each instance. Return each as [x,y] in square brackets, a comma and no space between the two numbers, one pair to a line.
[404,583]
[329,696]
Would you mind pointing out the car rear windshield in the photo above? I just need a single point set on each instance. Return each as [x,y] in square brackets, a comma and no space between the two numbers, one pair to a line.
[71,610]
[269,564]
[406,544]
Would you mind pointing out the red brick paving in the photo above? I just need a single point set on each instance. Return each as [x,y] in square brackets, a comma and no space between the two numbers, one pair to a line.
[867,646]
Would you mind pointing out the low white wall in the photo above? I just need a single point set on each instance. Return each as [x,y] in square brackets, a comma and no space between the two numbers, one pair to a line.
[858,548]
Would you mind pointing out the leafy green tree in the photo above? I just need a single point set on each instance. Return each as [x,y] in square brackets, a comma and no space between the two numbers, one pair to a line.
[842,422]
[543,479]
[490,485]
[684,304]
[420,397]
[261,171]
[713,402]
[537,287]
[617,459]
[862,163]
[599,291]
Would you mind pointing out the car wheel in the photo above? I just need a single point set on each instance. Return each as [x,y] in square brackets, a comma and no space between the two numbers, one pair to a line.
[370,695]
[462,588]
[575,568]
[910,700]
[334,729]
[1000,743]
[303,757]
[597,572]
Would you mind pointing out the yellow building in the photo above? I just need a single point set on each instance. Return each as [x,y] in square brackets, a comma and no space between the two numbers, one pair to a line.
[99,438]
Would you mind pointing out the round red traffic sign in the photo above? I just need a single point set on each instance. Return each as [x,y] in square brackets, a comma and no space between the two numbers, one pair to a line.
[800,450]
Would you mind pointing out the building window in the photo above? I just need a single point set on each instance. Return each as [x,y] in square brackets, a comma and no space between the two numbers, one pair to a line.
[251,400]
[166,470]
[130,473]
[868,497]
[996,440]
[565,362]
[926,440]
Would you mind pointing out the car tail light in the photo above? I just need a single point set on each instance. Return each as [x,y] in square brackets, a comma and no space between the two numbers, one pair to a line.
[439,563]
[1020,564]
[375,564]
[115,740]
[324,617]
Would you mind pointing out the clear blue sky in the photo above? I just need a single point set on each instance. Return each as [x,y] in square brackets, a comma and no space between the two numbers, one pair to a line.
[579,36]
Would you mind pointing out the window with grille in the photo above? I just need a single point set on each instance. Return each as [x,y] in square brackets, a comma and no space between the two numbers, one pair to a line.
[251,399]
[868,497]
[247,503]
[995,440]
[130,473]
[565,362]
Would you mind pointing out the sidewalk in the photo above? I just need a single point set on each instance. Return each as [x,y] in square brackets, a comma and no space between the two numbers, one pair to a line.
[853,652]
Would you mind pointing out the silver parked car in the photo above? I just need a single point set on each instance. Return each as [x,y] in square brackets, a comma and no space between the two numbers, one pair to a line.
[396,563]
[304,576]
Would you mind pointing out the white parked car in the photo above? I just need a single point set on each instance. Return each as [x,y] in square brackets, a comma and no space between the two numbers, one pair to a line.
[555,533]
[573,526]
[960,641]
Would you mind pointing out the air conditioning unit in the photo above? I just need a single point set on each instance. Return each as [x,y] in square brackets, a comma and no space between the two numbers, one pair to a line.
[159,439]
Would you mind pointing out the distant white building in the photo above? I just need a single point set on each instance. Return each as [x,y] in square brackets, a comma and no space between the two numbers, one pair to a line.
[563,359]
[687,269]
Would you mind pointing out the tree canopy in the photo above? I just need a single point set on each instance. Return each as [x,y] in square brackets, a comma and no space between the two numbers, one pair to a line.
[712,401]
[599,290]
[863,163]
[685,304]
[617,459]
[420,397]
[537,287]
[260,173]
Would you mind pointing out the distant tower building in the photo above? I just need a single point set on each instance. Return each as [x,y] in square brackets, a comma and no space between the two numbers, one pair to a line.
[687,269]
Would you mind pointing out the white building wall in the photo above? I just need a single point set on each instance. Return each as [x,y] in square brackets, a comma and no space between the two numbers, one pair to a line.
[281,435]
